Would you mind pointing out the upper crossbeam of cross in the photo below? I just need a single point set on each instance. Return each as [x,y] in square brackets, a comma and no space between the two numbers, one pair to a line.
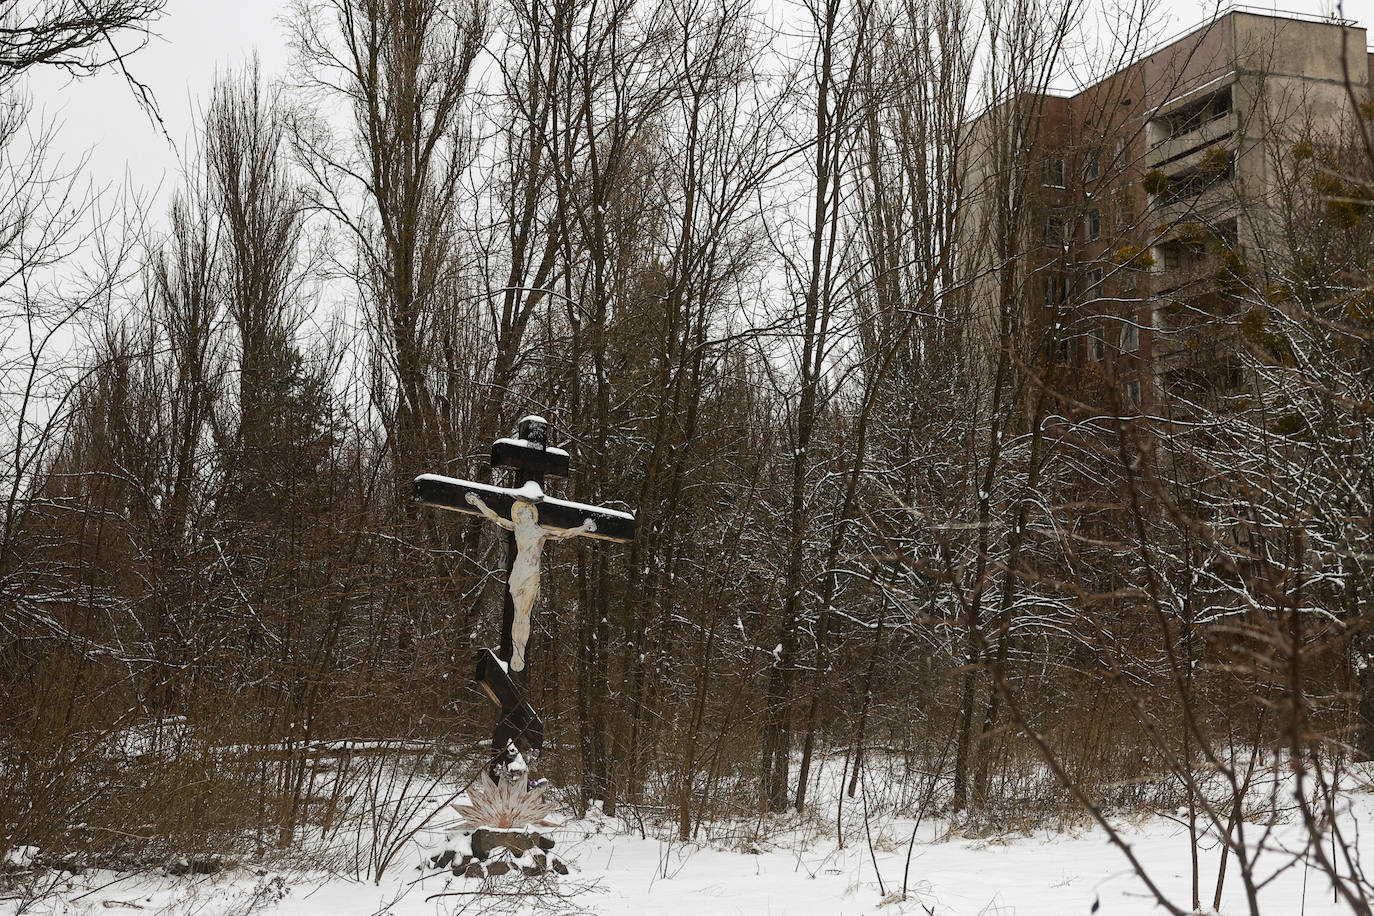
[532,459]
[555,515]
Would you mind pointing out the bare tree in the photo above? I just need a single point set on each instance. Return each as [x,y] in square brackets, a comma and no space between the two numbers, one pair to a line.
[402,68]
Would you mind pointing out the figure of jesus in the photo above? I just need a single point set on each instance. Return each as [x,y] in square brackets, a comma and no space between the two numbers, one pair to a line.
[524,573]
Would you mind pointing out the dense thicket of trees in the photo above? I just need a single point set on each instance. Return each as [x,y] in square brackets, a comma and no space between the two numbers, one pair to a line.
[733,262]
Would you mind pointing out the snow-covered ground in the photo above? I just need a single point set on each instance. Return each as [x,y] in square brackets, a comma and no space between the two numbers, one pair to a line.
[1045,874]
[785,866]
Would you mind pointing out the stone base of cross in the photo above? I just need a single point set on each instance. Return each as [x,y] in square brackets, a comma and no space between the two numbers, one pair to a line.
[529,519]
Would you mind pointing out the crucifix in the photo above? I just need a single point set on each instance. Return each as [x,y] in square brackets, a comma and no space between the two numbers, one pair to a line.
[530,519]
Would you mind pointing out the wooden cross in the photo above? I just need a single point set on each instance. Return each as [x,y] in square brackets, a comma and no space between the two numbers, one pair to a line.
[530,519]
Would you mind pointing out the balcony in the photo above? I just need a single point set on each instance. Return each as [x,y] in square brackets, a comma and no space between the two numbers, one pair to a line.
[1186,275]
[1184,150]
[1213,205]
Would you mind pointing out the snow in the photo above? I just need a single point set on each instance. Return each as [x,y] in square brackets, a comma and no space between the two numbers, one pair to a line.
[526,443]
[792,871]
[469,484]
[334,746]
[587,509]
[762,865]
[530,492]
[21,856]
[146,738]
[480,488]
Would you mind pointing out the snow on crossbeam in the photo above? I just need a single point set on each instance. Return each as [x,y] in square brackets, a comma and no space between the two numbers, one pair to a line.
[450,493]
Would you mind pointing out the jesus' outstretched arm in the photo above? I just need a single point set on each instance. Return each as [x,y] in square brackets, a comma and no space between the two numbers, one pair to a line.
[475,500]
[585,528]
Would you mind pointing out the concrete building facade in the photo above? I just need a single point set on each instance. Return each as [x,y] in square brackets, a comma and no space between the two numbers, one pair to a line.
[1125,210]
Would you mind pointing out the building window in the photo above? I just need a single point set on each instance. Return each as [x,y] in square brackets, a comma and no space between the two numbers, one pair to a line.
[1132,393]
[1093,223]
[1053,173]
[1056,290]
[1094,283]
[1054,230]
[1124,216]
[1128,279]
[1098,346]
[1130,337]
[1090,168]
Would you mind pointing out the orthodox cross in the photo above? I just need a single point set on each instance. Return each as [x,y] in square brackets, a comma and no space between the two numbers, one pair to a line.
[529,519]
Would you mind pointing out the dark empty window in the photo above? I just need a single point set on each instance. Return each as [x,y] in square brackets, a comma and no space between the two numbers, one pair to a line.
[1094,283]
[1192,116]
[1090,169]
[1093,224]
[1056,290]
[1054,230]
[1132,393]
[1130,337]
[1124,215]
[1216,165]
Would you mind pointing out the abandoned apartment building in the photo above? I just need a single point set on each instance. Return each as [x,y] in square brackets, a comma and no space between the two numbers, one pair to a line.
[1140,196]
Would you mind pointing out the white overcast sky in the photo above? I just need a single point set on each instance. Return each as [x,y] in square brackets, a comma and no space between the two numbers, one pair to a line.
[196,39]
[193,42]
